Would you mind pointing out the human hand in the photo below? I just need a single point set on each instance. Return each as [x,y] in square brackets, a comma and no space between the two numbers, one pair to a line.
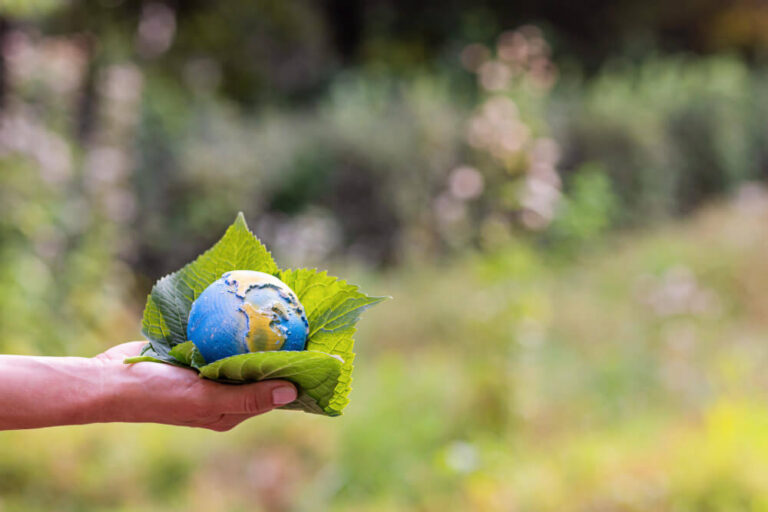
[161,393]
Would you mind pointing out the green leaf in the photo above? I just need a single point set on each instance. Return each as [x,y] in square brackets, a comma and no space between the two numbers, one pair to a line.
[333,307]
[323,372]
[314,373]
[149,354]
[168,305]
[187,354]
[155,329]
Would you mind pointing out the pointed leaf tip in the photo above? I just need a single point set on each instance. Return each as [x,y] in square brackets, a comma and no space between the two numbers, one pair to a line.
[240,221]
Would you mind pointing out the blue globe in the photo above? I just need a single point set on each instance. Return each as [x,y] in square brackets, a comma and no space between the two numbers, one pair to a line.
[246,311]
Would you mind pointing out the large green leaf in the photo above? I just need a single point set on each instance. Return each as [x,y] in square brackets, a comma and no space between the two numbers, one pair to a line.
[333,308]
[315,374]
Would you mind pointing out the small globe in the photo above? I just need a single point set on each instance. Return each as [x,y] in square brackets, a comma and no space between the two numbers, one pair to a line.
[246,311]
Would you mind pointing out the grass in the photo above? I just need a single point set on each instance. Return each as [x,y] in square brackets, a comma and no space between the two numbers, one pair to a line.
[629,379]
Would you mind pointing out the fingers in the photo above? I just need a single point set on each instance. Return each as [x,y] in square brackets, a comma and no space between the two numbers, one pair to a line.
[186,399]
[238,403]
[252,399]
[252,402]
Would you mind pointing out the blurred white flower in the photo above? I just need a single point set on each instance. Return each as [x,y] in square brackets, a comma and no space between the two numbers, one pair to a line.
[466,183]
[56,63]
[104,167]
[494,75]
[157,27]
[677,292]
[512,47]
[497,128]
[121,83]
[462,457]
[542,73]
[545,150]
[21,132]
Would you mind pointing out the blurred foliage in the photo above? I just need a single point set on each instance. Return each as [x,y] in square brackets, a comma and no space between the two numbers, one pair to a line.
[587,212]
[671,132]
[561,338]
[629,381]
[28,8]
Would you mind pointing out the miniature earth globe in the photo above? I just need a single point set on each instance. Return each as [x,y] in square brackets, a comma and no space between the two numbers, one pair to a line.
[246,311]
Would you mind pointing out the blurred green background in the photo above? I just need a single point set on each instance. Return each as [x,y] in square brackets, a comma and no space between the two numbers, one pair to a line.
[566,199]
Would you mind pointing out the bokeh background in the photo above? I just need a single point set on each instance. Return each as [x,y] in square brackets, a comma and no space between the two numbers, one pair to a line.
[566,200]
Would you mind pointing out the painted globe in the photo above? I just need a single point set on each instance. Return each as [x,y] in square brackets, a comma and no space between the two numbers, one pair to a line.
[246,311]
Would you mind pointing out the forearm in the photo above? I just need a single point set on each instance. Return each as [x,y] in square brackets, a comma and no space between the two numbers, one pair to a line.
[48,391]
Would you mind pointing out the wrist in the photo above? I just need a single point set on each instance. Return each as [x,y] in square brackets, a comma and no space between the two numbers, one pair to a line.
[118,393]
[98,397]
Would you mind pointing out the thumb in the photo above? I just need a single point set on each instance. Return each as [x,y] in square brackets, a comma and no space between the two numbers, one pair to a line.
[259,397]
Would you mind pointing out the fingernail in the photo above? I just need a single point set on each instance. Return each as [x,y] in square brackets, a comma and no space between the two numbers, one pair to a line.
[283,395]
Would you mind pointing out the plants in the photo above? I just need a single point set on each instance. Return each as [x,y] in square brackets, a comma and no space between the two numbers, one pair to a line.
[323,372]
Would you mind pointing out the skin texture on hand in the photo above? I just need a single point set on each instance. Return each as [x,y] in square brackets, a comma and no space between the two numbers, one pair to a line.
[49,391]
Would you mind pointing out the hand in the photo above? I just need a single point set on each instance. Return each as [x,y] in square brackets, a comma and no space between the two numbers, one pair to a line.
[161,393]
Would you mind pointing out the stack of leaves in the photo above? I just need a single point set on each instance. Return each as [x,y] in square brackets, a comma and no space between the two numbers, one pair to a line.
[322,372]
